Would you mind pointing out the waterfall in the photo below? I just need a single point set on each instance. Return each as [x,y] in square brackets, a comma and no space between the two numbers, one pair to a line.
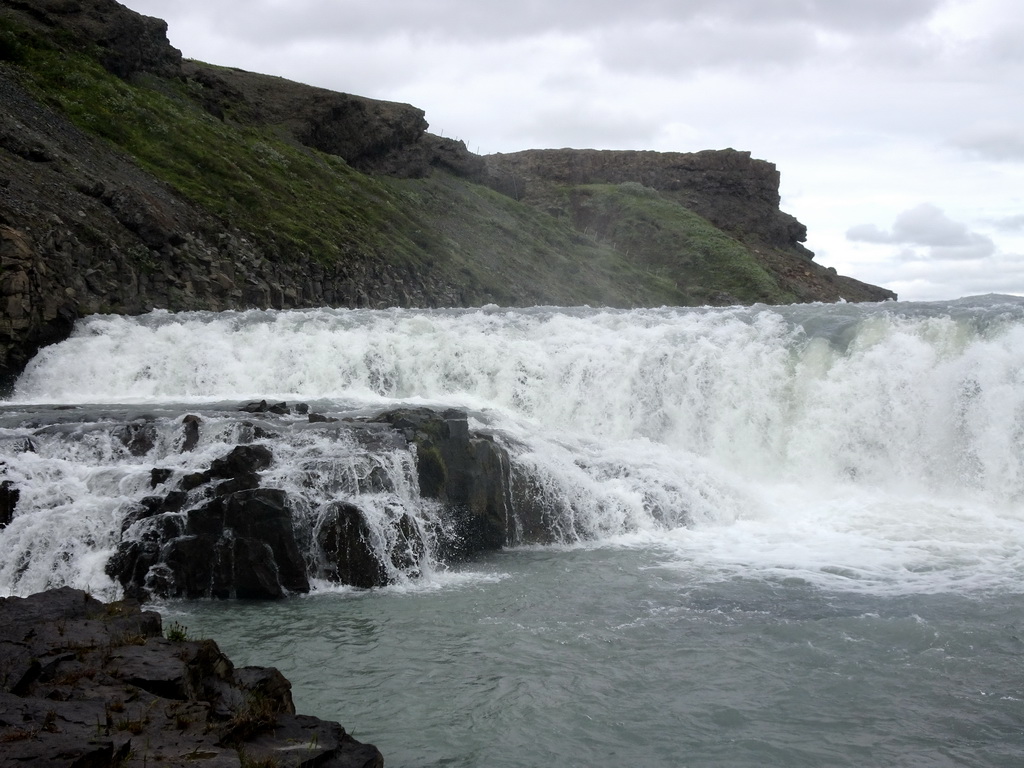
[615,422]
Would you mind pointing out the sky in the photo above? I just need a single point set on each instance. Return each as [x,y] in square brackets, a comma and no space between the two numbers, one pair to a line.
[897,125]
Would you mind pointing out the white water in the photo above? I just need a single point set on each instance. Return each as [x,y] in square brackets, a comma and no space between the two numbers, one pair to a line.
[864,448]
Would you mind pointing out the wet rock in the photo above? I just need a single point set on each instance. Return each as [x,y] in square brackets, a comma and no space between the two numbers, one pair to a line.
[190,432]
[220,534]
[280,409]
[9,495]
[159,476]
[238,545]
[240,542]
[349,551]
[89,684]
[242,460]
[468,473]
[138,437]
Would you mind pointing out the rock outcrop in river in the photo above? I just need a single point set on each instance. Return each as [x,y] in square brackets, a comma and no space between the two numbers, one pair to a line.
[131,180]
[300,497]
[93,684]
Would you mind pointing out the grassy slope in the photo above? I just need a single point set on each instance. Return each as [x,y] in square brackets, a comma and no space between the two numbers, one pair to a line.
[671,241]
[622,245]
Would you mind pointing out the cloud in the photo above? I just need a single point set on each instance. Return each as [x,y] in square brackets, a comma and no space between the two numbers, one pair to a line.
[694,33]
[924,280]
[280,22]
[999,144]
[927,225]
[1009,223]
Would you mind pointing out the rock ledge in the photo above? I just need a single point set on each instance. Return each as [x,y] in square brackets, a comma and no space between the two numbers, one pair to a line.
[93,684]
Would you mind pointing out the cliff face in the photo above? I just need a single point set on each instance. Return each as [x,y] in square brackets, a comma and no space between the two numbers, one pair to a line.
[732,190]
[131,180]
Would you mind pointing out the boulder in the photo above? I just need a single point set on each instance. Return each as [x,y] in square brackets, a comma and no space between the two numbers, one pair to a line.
[237,541]
[190,432]
[241,545]
[349,554]
[242,460]
[138,437]
[468,473]
[217,533]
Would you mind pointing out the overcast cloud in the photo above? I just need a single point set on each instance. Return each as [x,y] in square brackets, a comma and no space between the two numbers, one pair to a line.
[898,125]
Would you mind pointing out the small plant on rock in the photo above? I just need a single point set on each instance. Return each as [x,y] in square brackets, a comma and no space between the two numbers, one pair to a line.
[177,633]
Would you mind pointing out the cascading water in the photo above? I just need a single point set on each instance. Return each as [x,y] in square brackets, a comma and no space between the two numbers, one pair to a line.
[776,536]
[623,422]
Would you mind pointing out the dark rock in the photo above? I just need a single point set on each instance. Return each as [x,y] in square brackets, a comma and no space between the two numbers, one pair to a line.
[280,409]
[128,43]
[468,473]
[138,438]
[319,418]
[243,460]
[349,552]
[196,568]
[241,544]
[190,432]
[248,432]
[174,501]
[245,481]
[731,189]
[256,576]
[88,684]
[263,515]
[9,495]
[193,480]
[159,476]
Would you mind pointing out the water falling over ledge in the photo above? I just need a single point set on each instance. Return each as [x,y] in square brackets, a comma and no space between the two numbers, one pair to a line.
[866,439]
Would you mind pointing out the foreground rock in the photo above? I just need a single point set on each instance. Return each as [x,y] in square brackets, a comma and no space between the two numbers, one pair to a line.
[93,684]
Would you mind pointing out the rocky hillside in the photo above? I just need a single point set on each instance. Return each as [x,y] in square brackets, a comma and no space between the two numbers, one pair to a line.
[131,180]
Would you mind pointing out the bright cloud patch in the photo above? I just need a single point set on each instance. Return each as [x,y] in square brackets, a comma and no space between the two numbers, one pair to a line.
[928,226]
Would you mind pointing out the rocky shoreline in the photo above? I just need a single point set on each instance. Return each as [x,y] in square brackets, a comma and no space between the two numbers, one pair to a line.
[93,684]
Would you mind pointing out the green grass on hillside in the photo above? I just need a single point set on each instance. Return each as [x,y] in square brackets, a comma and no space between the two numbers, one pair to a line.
[665,238]
[301,201]
[619,244]
[523,255]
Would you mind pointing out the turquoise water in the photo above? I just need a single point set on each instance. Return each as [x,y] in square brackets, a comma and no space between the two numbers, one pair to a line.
[607,656]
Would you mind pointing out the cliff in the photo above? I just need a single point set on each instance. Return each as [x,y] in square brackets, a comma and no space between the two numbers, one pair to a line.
[131,180]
